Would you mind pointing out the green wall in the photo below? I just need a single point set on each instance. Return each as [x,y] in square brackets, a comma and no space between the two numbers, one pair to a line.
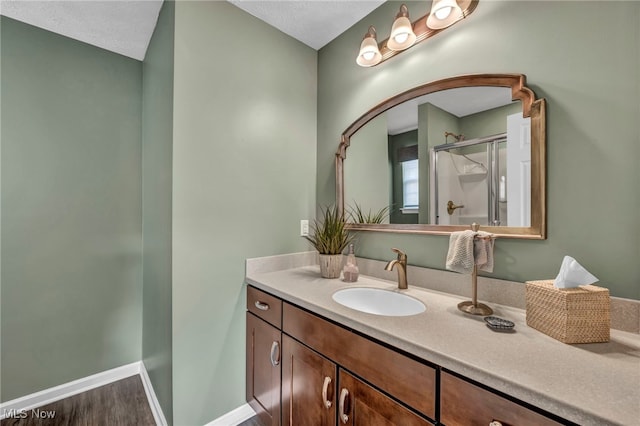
[71,207]
[438,121]
[487,123]
[591,80]
[243,176]
[369,156]
[157,147]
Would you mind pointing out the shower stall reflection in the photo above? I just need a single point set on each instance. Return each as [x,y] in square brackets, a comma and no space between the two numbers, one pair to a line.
[468,182]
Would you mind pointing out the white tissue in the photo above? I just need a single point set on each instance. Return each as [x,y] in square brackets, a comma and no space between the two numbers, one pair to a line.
[572,274]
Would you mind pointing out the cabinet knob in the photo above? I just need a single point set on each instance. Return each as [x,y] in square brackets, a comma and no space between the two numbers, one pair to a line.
[495,423]
[275,353]
[325,390]
[344,394]
[261,305]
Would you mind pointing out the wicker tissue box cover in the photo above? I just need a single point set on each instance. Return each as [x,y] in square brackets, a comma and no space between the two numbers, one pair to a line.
[571,315]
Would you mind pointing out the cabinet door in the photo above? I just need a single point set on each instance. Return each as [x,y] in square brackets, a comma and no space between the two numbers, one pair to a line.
[308,386]
[361,405]
[408,380]
[263,370]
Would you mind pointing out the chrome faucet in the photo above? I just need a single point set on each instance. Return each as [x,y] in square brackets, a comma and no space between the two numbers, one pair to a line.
[401,263]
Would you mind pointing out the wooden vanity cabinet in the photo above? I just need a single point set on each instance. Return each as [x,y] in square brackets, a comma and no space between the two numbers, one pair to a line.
[308,386]
[265,306]
[362,405]
[310,394]
[408,380]
[465,404]
[303,370]
[264,345]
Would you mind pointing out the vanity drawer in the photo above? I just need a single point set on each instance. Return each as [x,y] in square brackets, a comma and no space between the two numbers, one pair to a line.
[408,380]
[265,306]
[463,403]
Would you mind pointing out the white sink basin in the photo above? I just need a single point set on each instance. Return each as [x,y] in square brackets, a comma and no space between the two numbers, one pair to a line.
[378,301]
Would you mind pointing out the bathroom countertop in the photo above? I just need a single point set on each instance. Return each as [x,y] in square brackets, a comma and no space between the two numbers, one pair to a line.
[589,384]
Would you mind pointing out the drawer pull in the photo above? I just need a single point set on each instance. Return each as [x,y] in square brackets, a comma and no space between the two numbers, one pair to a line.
[344,394]
[325,389]
[275,353]
[495,423]
[262,306]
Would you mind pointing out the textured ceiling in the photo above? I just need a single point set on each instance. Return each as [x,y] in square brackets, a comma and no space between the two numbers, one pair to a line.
[313,22]
[123,27]
[126,26]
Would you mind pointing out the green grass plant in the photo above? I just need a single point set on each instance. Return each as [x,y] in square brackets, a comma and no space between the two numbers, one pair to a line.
[358,215]
[330,235]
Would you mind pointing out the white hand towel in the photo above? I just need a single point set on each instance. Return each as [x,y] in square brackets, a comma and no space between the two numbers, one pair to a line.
[460,256]
[465,250]
[483,251]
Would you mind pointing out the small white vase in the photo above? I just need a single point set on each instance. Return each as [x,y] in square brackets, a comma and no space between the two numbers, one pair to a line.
[330,265]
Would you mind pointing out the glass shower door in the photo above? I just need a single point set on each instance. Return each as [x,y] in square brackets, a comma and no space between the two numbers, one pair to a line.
[466,182]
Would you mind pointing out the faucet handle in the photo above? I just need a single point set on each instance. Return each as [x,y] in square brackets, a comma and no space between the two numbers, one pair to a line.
[401,255]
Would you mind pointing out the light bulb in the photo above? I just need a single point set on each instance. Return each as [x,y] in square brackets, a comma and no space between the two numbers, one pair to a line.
[401,37]
[443,12]
[368,55]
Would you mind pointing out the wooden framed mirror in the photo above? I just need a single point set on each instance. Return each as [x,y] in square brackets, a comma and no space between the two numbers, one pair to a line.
[437,157]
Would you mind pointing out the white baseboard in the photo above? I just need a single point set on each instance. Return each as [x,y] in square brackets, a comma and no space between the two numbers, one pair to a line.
[66,390]
[156,409]
[75,387]
[234,417]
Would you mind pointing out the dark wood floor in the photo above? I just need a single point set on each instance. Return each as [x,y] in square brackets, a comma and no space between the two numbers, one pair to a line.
[119,403]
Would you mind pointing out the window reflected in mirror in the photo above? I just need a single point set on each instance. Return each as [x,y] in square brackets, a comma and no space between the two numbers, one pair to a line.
[410,201]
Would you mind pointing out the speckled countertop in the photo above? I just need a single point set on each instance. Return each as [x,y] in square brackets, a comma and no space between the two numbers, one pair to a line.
[590,384]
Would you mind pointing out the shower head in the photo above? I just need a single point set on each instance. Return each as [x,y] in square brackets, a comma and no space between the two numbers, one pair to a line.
[458,138]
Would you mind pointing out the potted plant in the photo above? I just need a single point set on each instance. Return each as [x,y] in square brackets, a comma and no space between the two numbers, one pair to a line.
[330,237]
[358,215]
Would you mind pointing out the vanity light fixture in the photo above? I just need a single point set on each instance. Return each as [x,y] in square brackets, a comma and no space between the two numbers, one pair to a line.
[402,35]
[444,13]
[369,54]
[405,34]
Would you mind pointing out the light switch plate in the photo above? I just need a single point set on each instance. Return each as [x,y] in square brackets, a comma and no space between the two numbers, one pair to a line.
[304,227]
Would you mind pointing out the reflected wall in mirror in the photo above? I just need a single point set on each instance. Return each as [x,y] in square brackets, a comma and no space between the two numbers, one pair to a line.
[436,158]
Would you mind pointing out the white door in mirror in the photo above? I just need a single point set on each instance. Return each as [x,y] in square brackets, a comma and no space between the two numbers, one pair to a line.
[518,179]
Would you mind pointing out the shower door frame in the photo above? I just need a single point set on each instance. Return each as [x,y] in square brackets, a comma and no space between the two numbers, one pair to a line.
[493,167]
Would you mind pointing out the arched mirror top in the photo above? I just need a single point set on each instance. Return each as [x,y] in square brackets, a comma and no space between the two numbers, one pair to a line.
[532,208]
